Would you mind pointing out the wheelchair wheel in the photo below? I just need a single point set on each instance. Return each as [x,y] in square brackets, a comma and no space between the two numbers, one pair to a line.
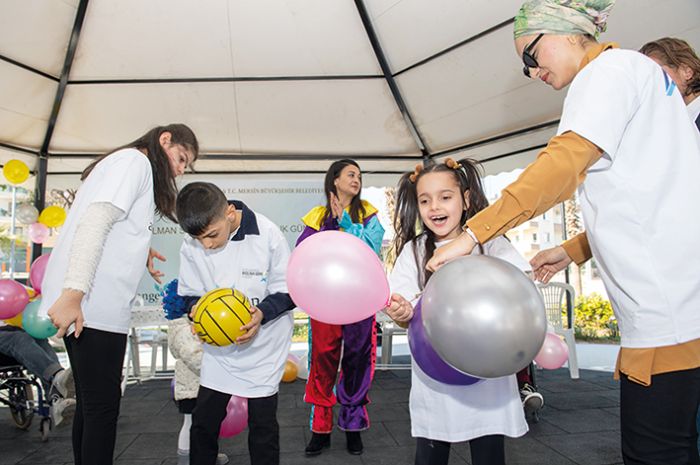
[22,398]
[45,429]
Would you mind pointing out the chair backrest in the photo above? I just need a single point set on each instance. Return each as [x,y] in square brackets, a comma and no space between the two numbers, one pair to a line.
[555,300]
[147,316]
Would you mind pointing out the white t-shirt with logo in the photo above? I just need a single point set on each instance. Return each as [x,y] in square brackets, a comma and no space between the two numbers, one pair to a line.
[459,413]
[639,201]
[256,266]
[125,180]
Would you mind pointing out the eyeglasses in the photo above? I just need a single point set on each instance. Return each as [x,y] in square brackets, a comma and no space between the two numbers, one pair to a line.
[528,60]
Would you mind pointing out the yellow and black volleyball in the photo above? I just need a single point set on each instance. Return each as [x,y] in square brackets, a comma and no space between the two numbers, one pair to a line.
[219,314]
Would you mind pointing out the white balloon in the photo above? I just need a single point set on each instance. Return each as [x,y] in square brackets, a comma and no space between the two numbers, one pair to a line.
[483,316]
[26,213]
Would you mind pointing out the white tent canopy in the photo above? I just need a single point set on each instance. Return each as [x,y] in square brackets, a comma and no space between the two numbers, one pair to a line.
[286,85]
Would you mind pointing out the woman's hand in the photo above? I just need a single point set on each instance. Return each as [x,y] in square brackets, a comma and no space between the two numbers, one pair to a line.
[66,311]
[463,245]
[336,208]
[155,274]
[549,262]
[400,310]
[253,326]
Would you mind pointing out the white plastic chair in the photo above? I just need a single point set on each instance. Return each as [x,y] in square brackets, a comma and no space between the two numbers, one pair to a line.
[555,298]
[389,329]
[146,323]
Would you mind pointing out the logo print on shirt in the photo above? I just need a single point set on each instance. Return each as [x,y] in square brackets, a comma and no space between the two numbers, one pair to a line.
[670,85]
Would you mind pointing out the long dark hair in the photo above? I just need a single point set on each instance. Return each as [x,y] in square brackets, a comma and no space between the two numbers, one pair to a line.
[356,207]
[674,53]
[164,187]
[407,221]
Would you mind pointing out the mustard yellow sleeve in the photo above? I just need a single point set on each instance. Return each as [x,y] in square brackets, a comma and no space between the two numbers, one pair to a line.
[550,179]
[577,248]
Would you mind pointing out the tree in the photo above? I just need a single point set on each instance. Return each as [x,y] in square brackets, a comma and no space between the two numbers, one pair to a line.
[390,254]
[574,226]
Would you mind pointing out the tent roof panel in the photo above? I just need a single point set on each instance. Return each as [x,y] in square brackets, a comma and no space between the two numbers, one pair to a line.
[454,99]
[289,79]
[36,32]
[412,30]
[26,99]
[327,117]
[177,38]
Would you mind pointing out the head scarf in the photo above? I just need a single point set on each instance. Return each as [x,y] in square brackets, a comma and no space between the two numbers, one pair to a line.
[563,17]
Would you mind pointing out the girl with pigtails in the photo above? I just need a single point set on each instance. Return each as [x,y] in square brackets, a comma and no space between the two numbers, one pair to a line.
[440,198]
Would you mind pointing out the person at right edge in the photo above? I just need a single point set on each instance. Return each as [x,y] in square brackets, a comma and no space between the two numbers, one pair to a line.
[626,142]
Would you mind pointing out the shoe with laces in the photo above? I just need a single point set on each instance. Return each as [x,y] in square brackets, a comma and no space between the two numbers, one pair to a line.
[61,409]
[532,400]
[63,383]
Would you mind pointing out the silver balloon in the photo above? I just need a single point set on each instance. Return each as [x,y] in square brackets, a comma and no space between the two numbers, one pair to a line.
[484,316]
[26,213]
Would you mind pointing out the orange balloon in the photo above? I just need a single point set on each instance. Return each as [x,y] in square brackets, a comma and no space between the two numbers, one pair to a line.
[290,372]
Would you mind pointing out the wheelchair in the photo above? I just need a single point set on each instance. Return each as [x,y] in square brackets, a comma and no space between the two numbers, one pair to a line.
[18,390]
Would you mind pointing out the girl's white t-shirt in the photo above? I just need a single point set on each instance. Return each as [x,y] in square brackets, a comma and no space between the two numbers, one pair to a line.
[639,201]
[125,180]
[459,413]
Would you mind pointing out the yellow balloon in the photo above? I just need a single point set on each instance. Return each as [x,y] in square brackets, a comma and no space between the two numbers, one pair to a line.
[15,320]
[290,371]
[53,216]
[15,171]
[32,293]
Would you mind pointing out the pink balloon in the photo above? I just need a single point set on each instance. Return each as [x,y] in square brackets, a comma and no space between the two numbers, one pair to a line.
[336,278]
[553,353]
[13,298]
[37,270]
[236,417]
[38,233]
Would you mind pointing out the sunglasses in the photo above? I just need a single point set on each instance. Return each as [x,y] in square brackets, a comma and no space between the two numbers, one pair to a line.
[528,60]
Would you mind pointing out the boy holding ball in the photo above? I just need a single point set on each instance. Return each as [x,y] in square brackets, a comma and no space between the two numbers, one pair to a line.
[230,246]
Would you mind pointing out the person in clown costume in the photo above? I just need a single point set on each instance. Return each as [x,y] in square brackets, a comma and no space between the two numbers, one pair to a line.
[344,211]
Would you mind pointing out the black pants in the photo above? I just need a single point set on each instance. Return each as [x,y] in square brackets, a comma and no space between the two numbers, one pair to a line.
[263,429]
[97,358]
[658,421]
[486,450]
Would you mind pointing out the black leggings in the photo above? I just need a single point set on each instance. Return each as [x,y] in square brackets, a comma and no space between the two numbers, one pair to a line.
[486,450]
[97,358]
[658,421]
[263,429]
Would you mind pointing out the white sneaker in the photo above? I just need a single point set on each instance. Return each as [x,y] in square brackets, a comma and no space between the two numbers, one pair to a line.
[63,383]
[61,409]
[532,400]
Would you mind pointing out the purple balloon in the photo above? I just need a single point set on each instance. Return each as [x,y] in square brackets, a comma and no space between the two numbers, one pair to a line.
[428,360]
